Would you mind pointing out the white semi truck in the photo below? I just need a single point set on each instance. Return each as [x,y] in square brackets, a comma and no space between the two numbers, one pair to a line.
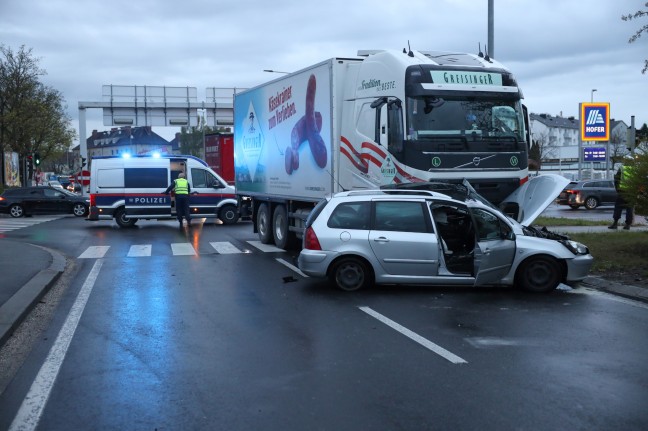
[381,118]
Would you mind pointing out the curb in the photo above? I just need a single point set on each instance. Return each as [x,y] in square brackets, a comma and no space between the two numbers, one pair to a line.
[627,291]
[20,304]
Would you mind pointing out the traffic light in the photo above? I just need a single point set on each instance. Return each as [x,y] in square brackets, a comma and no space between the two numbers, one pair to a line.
[30,166]
[36,159]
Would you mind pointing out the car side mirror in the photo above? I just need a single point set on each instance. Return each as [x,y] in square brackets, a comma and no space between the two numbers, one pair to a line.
[219,185]
[510,235]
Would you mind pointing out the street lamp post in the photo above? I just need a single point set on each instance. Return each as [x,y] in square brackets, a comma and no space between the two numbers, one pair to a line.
[275,71]
[592,95]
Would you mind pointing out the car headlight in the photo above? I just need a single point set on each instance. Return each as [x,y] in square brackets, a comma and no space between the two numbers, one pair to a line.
[575,247]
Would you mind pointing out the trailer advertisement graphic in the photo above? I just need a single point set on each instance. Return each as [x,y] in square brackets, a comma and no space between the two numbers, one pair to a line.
[282,136]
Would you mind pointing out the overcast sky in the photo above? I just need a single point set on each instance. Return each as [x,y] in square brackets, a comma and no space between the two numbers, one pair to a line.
[559,50]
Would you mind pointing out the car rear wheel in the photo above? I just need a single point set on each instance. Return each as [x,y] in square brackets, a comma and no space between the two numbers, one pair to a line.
[351,273]
[122,221]
[539,274]
[263,224]
[16,211]
[79,210]
[591,202]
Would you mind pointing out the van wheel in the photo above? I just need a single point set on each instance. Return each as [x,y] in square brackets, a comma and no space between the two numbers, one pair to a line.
[591,203]
[228,214]
[539,274]
[351,273]
[280,227]
[263,224]
[122,221]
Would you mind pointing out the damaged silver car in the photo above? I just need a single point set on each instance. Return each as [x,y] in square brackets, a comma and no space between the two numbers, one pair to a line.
[440,234]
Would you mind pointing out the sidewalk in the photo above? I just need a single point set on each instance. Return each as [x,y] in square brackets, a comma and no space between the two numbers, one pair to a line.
[27,271]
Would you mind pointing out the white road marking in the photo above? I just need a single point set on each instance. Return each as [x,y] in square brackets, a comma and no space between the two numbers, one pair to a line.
[224,247]
[95,252]
[267,248]
[291,266]
[183,249]
[415,337]
[32,407]
[143,250]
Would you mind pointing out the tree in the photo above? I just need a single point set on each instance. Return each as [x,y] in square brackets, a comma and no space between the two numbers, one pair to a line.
[32,115]
[638,33]
[192,139]
[541,150]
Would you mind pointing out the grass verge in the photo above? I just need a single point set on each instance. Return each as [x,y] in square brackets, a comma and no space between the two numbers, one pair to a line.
[558,221]
[619,256]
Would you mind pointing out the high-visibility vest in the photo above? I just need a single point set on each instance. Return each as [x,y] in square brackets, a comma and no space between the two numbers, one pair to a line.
[181,186]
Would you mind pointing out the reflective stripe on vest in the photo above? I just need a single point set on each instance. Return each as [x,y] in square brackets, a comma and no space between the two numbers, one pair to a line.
[181,186]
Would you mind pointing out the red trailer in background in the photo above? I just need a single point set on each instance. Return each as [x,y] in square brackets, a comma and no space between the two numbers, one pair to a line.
[219,154]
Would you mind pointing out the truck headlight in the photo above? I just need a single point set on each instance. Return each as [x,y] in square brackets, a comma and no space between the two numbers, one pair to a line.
[575,247]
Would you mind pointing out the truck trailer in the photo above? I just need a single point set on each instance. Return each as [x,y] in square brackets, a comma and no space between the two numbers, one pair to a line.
[382,118]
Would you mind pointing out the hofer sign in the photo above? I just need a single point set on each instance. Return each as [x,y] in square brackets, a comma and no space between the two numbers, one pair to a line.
[595,121]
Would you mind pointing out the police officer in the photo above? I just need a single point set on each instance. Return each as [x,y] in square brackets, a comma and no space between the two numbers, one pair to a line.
[182,189]
[620,183]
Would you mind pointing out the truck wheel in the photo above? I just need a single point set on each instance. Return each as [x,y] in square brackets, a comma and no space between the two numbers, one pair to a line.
[280,227]
[228,214]
[122,221]
[263,224]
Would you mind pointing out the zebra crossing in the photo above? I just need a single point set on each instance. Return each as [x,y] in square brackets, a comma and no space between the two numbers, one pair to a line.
[8,224]
[175,249]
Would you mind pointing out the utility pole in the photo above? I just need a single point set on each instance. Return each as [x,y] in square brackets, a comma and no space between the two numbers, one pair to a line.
[491,30]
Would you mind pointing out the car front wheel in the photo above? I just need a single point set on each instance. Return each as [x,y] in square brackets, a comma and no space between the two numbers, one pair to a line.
[351,273]
[79,210]
[591,203]
[539,274]
[16,211]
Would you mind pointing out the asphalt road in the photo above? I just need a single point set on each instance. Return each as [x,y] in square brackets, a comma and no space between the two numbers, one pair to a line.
[230,337]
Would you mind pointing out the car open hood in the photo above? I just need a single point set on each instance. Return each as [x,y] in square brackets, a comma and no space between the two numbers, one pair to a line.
[534,196]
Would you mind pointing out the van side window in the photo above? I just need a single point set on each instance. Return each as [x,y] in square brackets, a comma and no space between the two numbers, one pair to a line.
[202,178]
[144,178]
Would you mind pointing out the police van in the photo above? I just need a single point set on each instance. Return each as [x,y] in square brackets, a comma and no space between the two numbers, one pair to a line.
[129,188]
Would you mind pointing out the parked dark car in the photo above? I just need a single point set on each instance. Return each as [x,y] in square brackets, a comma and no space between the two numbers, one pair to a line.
[26,201]
[590,194]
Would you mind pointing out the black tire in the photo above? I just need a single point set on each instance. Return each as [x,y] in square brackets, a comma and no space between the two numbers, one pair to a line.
[539,274]
[264,224]
[574,207]
[280,227]
[228,214]
[79,210]
[350,274]
[122,221]
[16,211]
[591,202]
